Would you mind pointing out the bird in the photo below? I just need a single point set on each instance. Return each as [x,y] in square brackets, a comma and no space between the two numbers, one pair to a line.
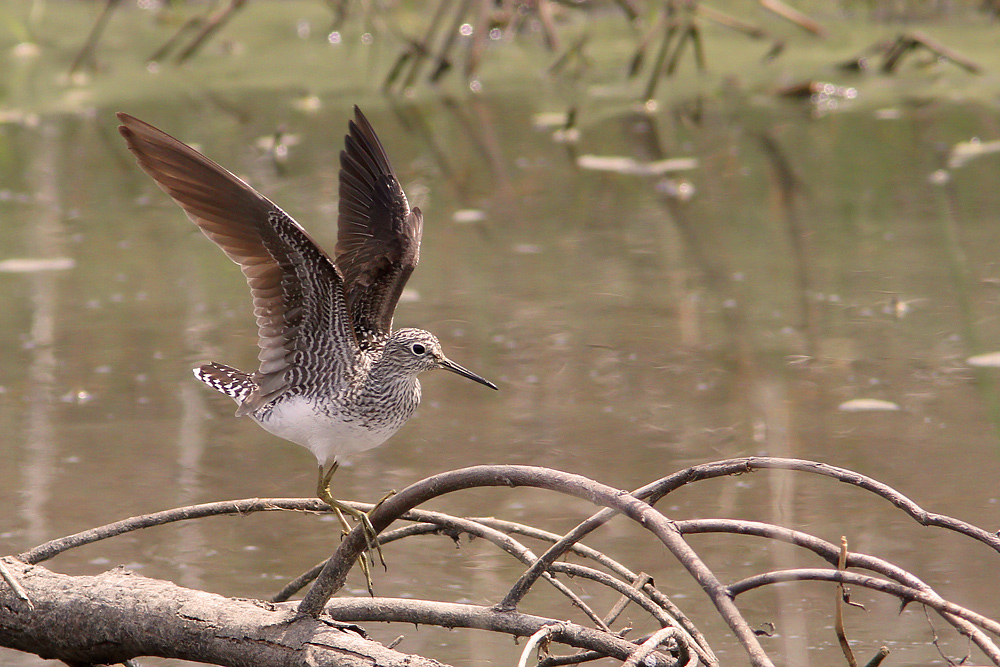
[334,376]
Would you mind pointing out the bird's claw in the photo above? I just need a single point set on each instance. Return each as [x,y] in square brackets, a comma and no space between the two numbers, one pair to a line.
[366,559]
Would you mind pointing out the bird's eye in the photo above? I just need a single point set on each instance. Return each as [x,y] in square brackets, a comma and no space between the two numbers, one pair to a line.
[418,349]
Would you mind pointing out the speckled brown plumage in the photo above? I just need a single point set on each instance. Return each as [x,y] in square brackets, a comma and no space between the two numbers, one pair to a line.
[333,375]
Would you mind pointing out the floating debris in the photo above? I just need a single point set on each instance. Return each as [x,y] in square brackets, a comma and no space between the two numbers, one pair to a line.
[888,114]
[627,165]
[565,131]
[26,50]
[939,177]
[678,189]
[18,117]
[988,360]
[275,142]
[893,52]
[527,249]
[80,397]
[307,104]
[409,295]
[965,151]
[550,119]
[868,405]
[566,135]
[467,216]
[36,264]
[824,96]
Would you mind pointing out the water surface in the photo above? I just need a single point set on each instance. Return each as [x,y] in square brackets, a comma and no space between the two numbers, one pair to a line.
[636,324]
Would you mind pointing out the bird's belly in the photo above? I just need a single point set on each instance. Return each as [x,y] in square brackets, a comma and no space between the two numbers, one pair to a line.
[328,436]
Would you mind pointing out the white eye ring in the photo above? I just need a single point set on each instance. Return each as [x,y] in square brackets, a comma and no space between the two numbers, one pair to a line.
[418,349]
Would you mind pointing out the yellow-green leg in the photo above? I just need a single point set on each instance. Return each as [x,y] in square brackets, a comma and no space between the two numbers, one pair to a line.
[371,537]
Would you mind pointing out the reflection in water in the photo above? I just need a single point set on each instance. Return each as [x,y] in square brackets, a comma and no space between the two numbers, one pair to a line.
[191,542]
[41,447]
[764,394]
[787,190]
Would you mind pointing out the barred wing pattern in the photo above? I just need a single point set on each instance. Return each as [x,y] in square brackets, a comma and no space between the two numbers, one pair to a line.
[378,234]
[303,324]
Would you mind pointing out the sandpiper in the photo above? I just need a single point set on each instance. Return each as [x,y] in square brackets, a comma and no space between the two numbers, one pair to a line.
[334,377]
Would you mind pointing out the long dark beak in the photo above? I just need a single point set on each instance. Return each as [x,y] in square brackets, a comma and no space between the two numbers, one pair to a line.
[450,365]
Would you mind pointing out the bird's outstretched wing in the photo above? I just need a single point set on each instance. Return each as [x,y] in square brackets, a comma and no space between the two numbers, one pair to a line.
[378,235]
[298,294]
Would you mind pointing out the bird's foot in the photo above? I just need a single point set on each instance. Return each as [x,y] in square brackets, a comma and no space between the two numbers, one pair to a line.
[384,498]
[367,559]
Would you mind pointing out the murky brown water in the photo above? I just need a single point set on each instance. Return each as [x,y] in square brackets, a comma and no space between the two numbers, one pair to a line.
[632,334]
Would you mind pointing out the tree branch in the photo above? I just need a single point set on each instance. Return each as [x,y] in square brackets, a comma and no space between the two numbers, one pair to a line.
[904,593]
[53,548]
[335,573]
[829,552]
[119,615]
[655,491]
[453,615]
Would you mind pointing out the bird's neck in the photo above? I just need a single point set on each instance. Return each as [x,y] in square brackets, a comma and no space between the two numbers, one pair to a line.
[387,381]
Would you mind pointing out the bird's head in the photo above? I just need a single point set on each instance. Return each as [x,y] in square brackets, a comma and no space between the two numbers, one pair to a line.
[415,351]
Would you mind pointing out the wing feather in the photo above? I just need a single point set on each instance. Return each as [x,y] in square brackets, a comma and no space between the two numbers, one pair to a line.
[378,242]
[298,294]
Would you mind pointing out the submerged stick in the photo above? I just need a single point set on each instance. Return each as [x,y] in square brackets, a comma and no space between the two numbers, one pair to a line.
[212,25]
[795,16]
[87,51]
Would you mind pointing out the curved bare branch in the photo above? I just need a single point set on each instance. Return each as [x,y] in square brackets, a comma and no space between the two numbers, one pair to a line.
[654,491]
[453,615]
[53,548]
[904,593]
[335,573]
[829,552]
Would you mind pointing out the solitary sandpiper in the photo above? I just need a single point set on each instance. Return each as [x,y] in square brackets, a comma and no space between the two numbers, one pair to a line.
[334,377]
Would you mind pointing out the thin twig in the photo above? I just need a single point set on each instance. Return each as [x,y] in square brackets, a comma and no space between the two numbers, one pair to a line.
[537,641]
[546,536]
[795,16]
[454,615]
[15,585]
[628,592]
[453,524]
[213,24]
[669,30]
[904,593]
[590,656]
[651,645]
[442,62]
[654,491]
[623,601]
[879,656]
[829,552]
[53,548]
[307,577]
[422,49]
[87,51]
[547,21]
[168,46]
[658,597]
[838,623]
[639,56]
[943,51]
[909,41]
[739,25]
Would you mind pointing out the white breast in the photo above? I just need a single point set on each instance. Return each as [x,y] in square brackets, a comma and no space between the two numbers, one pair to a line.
[328,437]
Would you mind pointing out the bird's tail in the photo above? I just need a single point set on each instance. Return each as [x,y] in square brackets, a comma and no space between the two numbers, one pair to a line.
[232,382]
